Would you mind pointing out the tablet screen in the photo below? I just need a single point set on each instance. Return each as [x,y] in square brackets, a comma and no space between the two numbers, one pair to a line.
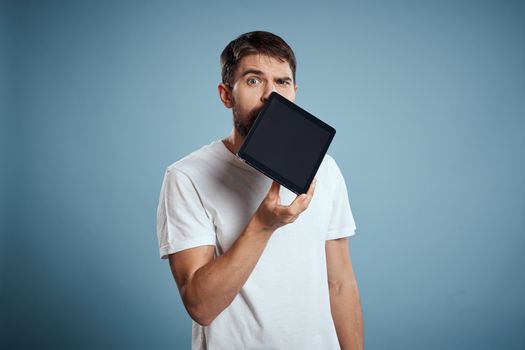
[287,143]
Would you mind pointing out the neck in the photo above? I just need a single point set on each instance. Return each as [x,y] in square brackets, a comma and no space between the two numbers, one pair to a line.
[233,142]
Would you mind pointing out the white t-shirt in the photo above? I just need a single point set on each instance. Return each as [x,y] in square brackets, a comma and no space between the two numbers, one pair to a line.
[207,198]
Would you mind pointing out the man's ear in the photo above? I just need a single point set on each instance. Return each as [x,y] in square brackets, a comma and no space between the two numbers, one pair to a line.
[296,87]
[225,94]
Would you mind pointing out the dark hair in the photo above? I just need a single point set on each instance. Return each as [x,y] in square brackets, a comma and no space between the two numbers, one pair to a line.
[257,42]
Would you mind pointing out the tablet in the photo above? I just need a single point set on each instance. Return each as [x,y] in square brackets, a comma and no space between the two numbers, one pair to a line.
[286,143]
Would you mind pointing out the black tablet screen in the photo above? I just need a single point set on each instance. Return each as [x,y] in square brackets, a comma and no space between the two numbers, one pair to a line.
[288,143]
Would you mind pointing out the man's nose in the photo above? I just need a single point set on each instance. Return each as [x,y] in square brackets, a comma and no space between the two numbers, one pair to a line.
[267,92]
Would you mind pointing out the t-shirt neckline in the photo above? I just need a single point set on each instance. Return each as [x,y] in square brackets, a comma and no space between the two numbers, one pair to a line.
[233,158]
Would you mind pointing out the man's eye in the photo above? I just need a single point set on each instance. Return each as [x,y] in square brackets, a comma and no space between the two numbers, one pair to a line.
[283,82]
[253,81]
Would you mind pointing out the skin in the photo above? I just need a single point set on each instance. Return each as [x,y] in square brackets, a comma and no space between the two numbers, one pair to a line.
[208,285]
[254,80]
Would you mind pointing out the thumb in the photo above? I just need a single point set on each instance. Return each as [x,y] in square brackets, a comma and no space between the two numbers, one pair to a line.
[273,194]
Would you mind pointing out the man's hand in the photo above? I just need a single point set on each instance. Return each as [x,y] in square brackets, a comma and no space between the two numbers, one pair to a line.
[271,214]
[207,284]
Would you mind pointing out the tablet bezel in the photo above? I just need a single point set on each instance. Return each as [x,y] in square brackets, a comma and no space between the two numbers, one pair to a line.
[269,172]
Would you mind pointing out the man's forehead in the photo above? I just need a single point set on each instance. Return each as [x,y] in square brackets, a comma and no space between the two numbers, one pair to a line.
[263,63]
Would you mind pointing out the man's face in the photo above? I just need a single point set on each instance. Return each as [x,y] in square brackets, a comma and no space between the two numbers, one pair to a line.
[254,80]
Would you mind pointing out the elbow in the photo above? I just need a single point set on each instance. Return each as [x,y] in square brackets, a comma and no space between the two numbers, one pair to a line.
[199,315]
[204,322]
[198,311]
[337,288]
[334,288]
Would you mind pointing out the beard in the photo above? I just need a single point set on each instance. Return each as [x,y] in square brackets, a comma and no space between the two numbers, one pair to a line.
[243,122]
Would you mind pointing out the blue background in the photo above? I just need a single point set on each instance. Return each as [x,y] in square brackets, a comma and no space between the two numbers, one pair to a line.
[98,97]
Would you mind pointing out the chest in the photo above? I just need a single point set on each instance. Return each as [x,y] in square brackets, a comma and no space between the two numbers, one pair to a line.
[238,199]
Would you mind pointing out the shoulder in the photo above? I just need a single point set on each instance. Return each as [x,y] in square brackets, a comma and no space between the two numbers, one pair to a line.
[329,160]
[328,166]
[195,162]
[330,175]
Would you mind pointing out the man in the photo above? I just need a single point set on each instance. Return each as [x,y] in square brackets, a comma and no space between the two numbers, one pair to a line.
[256,266]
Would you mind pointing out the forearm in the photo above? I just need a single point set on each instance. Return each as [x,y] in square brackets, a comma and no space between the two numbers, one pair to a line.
[347,315]
[214,286]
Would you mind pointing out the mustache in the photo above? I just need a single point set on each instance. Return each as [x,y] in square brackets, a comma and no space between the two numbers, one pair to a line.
[244,122]
[254,113]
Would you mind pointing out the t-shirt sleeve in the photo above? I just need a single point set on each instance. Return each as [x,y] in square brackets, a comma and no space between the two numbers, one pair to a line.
[342,222]
[182,221]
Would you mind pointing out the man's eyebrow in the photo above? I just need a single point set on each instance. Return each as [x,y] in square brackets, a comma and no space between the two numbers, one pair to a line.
[252,71]
[260,72]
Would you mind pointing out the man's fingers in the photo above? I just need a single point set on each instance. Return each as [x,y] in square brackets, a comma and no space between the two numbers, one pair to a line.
[311,189]
[273,194]
[302,201]
[278,215]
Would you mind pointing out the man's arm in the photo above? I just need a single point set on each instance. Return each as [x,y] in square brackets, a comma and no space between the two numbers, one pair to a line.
[344,295]
[207,285]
